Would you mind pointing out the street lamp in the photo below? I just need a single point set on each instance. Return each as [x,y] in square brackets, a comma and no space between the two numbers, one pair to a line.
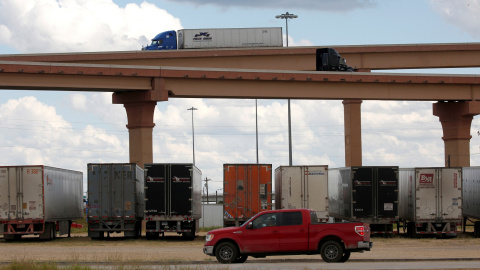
[287,16]
[193,134]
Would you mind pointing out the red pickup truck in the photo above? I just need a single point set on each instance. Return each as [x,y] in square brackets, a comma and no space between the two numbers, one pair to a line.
[287,232]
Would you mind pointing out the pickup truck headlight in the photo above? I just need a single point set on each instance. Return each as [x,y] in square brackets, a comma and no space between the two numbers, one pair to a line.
[209,237]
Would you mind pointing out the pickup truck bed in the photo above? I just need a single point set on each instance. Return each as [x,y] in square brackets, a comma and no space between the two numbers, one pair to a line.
[287,232]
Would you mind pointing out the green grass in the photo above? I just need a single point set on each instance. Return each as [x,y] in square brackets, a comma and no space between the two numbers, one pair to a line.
[83,222]
[207,229]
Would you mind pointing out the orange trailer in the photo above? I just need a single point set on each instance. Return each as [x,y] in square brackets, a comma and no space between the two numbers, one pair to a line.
[247,190]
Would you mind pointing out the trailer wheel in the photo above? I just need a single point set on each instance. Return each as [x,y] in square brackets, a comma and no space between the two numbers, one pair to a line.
[332,251]
[138,229]
[152,235]
[54,231]
[226,252]
[12,237]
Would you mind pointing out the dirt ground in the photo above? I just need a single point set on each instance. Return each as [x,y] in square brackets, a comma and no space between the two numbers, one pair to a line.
[80,248]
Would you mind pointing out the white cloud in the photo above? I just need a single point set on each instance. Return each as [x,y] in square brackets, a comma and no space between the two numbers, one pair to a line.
[79,101]
[34,133]
[292,42]
[80,25]
[463,13]
[323,5]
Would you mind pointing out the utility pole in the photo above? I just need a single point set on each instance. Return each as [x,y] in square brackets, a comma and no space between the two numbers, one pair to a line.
[193,134]
[206,186]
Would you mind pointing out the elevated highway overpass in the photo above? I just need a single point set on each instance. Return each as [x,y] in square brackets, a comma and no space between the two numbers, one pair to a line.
[141,79]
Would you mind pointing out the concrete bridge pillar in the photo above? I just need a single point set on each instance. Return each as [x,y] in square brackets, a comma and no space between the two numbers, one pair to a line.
[456,119]
[353,132]
[140,106]
[140,126]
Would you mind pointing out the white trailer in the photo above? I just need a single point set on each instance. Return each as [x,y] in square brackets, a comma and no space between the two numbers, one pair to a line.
[302,187]
[431,200]
[39,200]
[230,38]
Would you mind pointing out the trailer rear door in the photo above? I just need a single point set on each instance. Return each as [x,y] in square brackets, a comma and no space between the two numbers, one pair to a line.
[387,190]
[451,194]
[362,184]
[155,181]
[426,182]
[21,192]
[180,195]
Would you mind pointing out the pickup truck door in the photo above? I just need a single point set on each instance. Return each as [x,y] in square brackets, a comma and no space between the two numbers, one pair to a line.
[262,237]
[293,233]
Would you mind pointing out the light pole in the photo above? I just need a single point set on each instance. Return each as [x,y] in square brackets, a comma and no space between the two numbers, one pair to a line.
[256,126]
[287,16]
[193,134]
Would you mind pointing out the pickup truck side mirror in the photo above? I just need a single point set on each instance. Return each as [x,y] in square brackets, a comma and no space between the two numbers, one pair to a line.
[250,226]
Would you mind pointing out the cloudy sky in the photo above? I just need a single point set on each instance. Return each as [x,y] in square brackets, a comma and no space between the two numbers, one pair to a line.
[69,130]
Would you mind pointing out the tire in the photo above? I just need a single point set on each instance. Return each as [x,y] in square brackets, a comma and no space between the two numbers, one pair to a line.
[151,235]
[54,231]
[226,252]
[332,251]
[346,256]
[241,259]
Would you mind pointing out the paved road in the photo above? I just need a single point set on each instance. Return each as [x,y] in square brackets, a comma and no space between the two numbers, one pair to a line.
[351,265]
[297,264]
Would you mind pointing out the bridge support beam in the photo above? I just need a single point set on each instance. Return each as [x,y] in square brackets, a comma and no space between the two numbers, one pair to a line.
[140,126]
[456,119]
[353,132]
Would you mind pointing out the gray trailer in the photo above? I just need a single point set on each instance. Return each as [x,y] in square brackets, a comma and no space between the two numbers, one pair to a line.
[116,199]
[471,197]
[173,199]
[299,187]
[365,194]
[39,200]
[431,200]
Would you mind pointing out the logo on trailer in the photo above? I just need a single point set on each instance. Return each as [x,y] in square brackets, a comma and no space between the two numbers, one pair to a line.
[362,183]
[314,172]
[155,179]
[202,36]
[426,180]
[177,179]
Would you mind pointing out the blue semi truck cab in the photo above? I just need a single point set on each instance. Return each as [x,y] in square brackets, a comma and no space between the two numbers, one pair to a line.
[164,41]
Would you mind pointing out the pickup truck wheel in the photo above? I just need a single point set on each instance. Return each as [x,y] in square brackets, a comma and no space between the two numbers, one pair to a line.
[346,256]
[241,259]
[226,253]
[331,251]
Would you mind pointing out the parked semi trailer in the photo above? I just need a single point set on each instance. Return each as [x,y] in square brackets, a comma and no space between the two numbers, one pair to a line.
[39,200]
[247,190]
[116,199]
[471,197]
[365,194]
[431,200]
[217,38]
[173,199]
[299,187]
